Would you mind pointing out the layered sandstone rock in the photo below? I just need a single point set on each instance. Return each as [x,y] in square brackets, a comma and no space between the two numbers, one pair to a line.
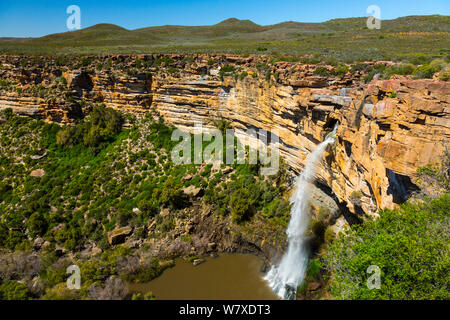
[387,129]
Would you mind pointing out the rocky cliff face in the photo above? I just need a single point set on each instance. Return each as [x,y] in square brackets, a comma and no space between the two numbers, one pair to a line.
[387,129]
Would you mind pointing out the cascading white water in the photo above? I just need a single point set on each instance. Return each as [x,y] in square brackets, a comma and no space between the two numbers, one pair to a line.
[285,277]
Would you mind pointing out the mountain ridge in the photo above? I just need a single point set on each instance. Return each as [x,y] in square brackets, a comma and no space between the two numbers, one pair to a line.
[234,22]
[410,35]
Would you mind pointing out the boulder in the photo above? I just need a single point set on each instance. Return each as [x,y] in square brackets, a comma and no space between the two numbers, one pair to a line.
[164,212]
[193,191]
[37,157]
[132,244]
[188,177]
[118,236]
[38,173]
[60,251]
[206,211]
[314,286]
[38,243]
[227,170]
[198,262]
[79,80]
[95,251]
[46,244]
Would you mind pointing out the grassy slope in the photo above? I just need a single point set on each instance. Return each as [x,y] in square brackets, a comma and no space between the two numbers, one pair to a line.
[343,38]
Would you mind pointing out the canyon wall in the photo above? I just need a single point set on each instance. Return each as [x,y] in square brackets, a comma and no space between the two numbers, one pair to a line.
[387,128]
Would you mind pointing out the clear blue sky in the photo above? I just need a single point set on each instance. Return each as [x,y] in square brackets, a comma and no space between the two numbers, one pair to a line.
[33,18]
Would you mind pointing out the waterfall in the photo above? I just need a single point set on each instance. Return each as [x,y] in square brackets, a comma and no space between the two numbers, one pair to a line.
[285,277]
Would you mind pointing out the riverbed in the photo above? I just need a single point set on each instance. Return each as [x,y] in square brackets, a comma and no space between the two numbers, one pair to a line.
[227,277]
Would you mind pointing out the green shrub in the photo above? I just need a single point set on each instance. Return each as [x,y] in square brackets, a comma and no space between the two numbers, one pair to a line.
[172,70]
[356,195]
[140,296]
[13,290]
[186,238]
[314,267]
[341,70]
[322,71]
[393,94]
[318,228]
[425,71]
[166,60]
[166,225]
[278,208]
[242,205]
[101,124]
[37,224]
[243,75]
[222,125]
[329,236]
[411,247]
[172,195]
[400,69]
[439,64]
[324,213]
[226,70]
[445,76]
[61,80]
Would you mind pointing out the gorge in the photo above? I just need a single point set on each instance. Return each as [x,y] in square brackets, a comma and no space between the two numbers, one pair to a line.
[387,130]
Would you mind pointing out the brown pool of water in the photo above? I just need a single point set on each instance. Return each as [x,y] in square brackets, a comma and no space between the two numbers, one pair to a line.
[228,277]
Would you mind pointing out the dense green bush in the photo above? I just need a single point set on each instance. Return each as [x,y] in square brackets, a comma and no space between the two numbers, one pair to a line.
[341,70]
[322,71]
[242,205]
[445,76]
[101,125]
[226,70]
[411,247]
[172,195]
[400,69]
[37,224]
[13,290]
[277,208]
[425,71]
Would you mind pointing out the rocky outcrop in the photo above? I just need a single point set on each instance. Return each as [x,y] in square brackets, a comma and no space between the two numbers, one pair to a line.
[387,128]
[118,236]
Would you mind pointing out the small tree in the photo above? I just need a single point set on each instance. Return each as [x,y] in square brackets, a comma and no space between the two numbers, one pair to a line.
[172,195]
[242,205]
[37,224]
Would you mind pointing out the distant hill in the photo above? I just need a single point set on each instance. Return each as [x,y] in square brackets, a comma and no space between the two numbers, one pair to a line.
[233,22]
[342,38]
